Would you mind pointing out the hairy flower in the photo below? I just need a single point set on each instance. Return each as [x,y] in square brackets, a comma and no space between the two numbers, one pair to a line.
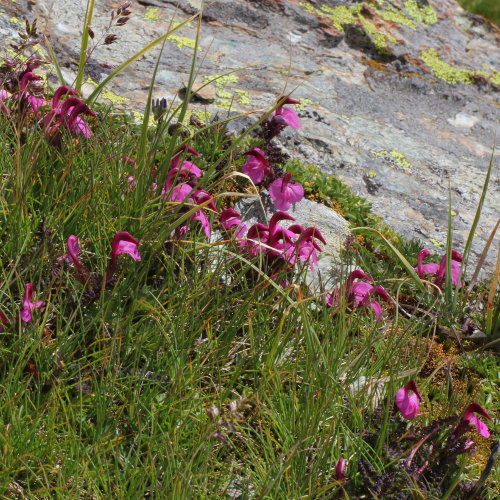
[407,400]
[439,270]
[72,256]
[230,220]
[340,469]
[256,166]
[359,293]
[470,419]
[284,193]
[28,304]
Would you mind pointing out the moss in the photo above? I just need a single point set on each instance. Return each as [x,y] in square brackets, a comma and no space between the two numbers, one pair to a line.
[396,156]
[152,14]
[444,71]
[425,14]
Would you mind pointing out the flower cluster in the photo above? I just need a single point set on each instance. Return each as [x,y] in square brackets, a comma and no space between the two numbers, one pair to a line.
[439,270]
[358,294]
[123,242]
[282,190]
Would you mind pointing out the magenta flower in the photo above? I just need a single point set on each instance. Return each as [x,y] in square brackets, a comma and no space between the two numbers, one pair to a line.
[359,293]
[34,102]
[123,242]
[439,271]
[187,172]
[67,115]
[182,149]
[28,304]
[4,322]
[184,193]
[470,419]
[284,193]
[230,220]
[306,245]
[72,256]
[287,115]
[340,469]
[269,235]
[407,400]
[256,167]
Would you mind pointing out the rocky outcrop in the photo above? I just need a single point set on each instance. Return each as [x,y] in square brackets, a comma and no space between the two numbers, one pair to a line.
[398,96]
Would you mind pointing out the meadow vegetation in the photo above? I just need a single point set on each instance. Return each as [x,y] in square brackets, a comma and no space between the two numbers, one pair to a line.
[155,346]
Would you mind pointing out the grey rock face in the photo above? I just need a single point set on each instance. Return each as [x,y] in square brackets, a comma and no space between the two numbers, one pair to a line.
[398,98]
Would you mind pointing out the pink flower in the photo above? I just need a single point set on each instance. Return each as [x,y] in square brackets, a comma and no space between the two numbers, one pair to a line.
[470,419]
[174,162]
[340,469]
[259,233]
[4,322]
[288,115]
[66,115]
[407,400]
[230,220]
[439,271]
[285,194]
[124,242]
[187,172]
[184,193]
[359,293]
[34,102]
[72,256]
[256,167]
[28,304]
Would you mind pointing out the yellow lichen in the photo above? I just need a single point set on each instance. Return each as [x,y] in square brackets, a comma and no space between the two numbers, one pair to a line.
[224,94]
[371,174]
[108,94]
[444,71]
[436,243]
[221,80]
[242,96]
[182,41]
[15,20]
[425,14]
[396,156]
[393,16]
[304,104]
[152,14]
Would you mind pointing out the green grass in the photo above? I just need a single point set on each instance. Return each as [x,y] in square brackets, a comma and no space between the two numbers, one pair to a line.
[486,8]
[198,371]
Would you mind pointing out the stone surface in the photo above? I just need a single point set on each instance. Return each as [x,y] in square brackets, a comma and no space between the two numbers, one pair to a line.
[399,98]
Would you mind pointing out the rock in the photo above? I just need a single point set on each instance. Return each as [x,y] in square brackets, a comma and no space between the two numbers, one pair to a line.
[406,90]
[307,213]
